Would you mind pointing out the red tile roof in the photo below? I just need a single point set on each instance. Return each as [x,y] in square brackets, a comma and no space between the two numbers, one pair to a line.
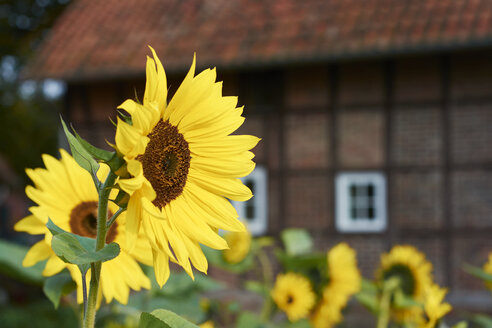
[108,39]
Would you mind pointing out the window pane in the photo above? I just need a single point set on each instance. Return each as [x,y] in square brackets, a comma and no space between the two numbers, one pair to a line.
[370,189]
[370,213]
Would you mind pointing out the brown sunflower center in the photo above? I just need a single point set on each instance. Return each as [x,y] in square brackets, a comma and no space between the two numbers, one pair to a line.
[83,221]
[166,162]
[290,299]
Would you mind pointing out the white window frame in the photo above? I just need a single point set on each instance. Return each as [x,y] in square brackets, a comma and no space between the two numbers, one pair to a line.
[343,220]
[259,224]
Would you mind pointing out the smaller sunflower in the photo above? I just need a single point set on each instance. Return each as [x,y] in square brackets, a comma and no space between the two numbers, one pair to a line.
[434,307]
[239,246]
[344,281]
[65,193]
[207,324]
[414,272]
[293,294]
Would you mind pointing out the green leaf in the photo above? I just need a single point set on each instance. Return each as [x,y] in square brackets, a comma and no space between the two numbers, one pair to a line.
[75,249]
[369,300]
[477,272]
[53,228]
[95,152]
[249,320]
[79,250]
[163,319]
[482,320]
[297,241]
[11,256]
[79,153]
[57,286]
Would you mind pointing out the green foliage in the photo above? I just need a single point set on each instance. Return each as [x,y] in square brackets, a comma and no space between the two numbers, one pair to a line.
[163,319]
[297,241]
[482,320]
[11,256]
[57,286]
[79,153]
[478,272]
[75,249]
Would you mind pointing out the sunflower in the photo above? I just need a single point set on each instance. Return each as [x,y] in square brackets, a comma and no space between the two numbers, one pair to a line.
[239,243]
[65,193]
[293,294]
[344,281]
[487,267]
[434,307]
[183,164]
[207,324]
[414,272]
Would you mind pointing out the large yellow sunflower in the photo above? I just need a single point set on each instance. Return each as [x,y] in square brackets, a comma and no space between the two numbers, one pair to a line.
[414,272]
[240,245]
[293,294]
[344,281]
[183,164]
[65,193]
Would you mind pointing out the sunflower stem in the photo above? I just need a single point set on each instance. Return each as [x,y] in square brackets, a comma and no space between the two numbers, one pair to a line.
[102,217]
[389,287]
[267,271]
[84,292]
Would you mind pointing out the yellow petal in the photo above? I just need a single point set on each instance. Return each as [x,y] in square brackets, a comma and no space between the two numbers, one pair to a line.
[31,224]
[133,220]
[53,266]
[161,267]
[222,215]
[231,188]
[38,252]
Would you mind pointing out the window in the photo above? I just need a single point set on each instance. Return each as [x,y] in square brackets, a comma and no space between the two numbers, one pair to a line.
[254,211]
[360,202]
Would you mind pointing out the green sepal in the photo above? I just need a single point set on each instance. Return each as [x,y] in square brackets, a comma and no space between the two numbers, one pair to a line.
[297,241]
[122,199]
[163,319]
[57,286]
[477,272]
[79,153]
[75,249]
[98,153]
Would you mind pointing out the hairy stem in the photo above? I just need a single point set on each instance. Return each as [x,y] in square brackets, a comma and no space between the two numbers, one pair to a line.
[102,217]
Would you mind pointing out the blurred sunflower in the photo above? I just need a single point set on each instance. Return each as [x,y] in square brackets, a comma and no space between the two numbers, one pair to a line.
[487,267]
[434,307]
[66,194]
[239,246]
[293,294]
[344,281]
[183,164]
[414,272]
[207,324]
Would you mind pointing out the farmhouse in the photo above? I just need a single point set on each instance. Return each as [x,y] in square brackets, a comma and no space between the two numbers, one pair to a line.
[376,116]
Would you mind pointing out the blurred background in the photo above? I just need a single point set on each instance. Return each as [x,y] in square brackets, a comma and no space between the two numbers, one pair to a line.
[375,116]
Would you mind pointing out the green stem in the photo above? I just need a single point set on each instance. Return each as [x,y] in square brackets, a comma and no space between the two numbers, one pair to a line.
[102,217]
[267,271]
[389,287]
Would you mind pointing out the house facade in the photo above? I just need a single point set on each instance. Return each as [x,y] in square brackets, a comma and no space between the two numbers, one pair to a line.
[375,119]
